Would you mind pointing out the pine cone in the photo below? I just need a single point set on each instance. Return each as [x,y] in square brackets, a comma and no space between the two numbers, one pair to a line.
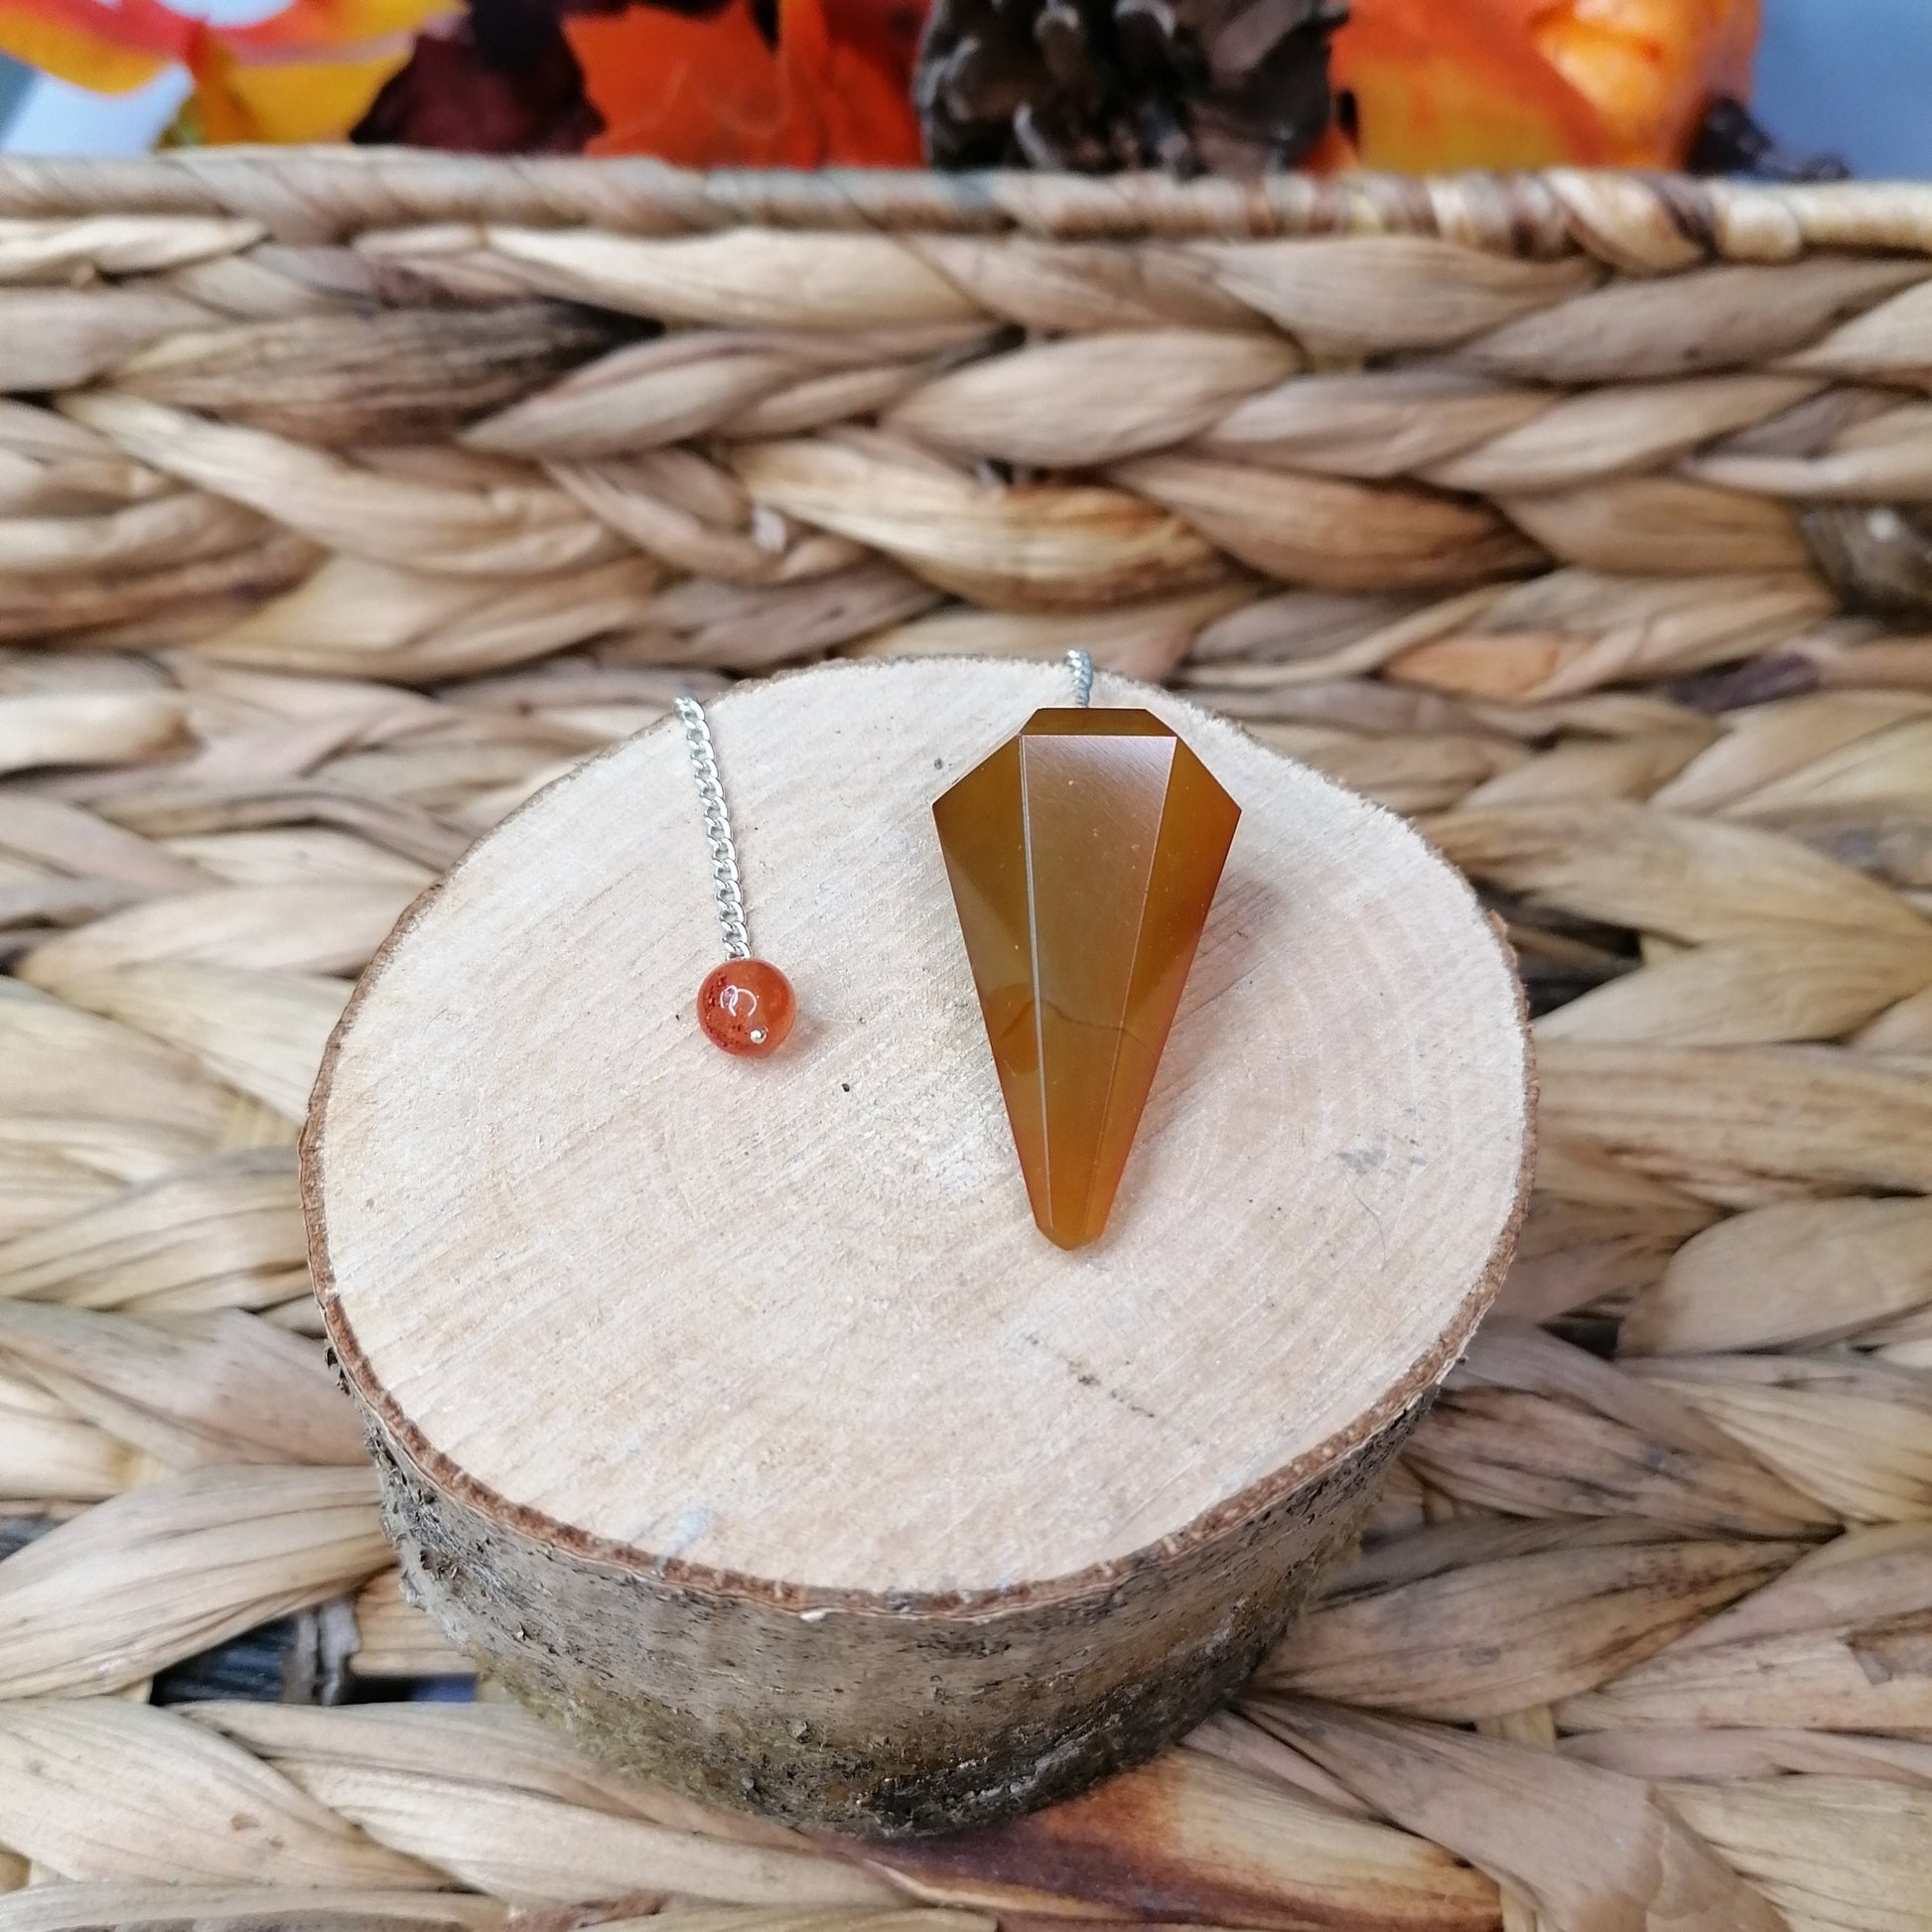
[1220,86]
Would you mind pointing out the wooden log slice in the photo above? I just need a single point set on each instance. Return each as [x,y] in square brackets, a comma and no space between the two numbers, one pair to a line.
[735,1413]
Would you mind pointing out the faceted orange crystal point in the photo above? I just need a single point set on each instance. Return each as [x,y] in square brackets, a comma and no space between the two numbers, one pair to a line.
[747,1006]
[1083,857]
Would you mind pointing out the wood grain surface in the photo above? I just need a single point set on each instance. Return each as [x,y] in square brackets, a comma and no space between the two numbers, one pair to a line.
[785,1332]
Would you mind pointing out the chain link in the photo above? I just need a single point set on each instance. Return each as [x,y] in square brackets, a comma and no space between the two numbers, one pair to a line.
[717,829]
[1080,667]
[717,820]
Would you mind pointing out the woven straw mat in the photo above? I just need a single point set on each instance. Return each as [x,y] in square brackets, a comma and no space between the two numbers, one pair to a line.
[346,500]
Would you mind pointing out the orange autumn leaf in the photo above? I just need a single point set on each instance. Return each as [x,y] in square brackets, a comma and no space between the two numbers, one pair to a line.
[91,44]
[702,92]
[712,93]
[1534,84]
[308,100]
[306,74]
[216,111]
[343,30]
[1650,67]
[1438,87]
[863,109]
[252,96]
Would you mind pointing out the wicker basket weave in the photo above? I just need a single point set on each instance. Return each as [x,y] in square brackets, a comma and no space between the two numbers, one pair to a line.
[344,500]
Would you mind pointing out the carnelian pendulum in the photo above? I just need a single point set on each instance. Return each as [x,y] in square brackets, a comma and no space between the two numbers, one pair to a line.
[746,1006]
[1083,857]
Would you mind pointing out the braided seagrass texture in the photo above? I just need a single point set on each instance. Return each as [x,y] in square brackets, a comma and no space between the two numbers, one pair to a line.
[344,502]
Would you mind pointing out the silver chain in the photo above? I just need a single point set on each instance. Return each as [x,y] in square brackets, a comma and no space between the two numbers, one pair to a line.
[1080,665]
[717,829]
[717,819]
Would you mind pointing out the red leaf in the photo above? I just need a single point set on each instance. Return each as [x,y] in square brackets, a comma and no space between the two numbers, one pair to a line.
[886,32]
[712,93]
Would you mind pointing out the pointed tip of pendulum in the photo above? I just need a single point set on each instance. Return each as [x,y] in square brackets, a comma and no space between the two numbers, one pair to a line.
[1083,855]
[1070,1237]
[747,1006]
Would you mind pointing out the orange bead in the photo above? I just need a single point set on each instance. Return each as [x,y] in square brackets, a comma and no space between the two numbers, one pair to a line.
[746,1006]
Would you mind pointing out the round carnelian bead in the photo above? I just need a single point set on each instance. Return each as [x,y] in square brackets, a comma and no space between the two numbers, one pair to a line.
[746,1006]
